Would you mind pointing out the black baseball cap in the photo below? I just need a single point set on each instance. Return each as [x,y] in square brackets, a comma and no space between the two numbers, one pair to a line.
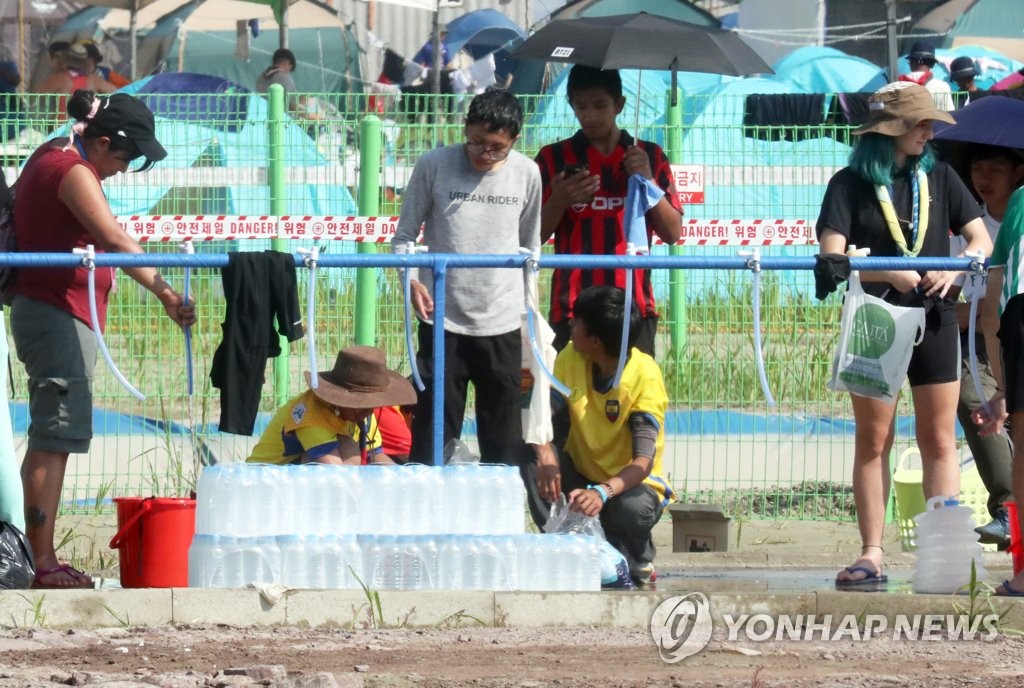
[127,119]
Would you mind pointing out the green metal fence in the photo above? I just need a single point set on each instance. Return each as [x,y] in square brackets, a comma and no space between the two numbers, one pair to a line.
[726,445]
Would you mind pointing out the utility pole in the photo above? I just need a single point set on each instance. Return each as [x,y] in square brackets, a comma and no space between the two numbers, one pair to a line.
[892,49]
[435,75]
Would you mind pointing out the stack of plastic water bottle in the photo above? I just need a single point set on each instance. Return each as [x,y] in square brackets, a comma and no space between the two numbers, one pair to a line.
[458,527]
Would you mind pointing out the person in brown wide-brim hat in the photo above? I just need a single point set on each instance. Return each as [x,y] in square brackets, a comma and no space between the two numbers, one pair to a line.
[349,415]
[361,379]
[897,108]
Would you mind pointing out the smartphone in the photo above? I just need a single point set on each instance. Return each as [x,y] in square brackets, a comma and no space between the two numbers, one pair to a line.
[573,170]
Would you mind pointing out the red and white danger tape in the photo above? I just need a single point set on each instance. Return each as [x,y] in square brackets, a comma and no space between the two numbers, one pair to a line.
[154,228]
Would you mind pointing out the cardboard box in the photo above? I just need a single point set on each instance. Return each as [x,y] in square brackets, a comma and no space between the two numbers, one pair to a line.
[699,528]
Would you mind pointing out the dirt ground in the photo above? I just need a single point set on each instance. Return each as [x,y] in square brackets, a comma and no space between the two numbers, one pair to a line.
[483,657]
[477,657]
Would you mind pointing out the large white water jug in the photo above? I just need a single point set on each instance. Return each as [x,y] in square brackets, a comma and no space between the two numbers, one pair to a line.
[946,547]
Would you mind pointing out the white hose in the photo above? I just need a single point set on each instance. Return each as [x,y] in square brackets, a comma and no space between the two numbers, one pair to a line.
[89,261]
[410,348]
[972,357]
[311,257]
[972,348]
[530,268]
[626,312]
[754,263]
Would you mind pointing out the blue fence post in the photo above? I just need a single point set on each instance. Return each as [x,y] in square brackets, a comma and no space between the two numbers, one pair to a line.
[440,268]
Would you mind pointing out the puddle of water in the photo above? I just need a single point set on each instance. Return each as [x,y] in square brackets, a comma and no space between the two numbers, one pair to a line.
[774,580]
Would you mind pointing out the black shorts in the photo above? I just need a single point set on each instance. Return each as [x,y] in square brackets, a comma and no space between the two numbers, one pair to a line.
[937,358]
[1011,349]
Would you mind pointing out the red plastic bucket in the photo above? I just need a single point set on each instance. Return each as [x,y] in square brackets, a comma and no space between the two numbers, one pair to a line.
[153,537]
[1016,547]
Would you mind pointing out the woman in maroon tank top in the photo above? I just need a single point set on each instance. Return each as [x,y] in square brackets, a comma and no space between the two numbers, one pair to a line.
[60,206]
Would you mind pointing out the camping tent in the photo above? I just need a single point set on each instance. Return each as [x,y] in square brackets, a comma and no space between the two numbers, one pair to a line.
[813,69]
[747,178]
[235,40]
[216,138]
[715,137]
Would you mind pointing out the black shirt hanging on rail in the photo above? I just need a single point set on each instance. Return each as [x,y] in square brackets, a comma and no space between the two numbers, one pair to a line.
[258,287]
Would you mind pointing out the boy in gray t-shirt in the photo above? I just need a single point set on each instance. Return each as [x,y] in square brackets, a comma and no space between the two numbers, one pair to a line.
[477,197]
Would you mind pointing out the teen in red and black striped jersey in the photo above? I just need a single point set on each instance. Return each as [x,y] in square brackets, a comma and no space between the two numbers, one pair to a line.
[585,181]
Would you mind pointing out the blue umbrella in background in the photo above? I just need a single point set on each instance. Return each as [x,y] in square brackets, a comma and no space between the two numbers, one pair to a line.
[993,120]
[483,32]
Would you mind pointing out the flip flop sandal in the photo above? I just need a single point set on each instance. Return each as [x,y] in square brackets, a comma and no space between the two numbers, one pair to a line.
[870,581]
[1008,591]
[80,580]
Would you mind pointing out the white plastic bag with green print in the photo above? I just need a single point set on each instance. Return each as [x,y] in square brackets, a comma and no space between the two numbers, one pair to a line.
[876,341]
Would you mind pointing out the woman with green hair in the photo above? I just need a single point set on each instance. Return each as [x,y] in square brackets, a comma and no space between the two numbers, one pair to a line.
[895,199]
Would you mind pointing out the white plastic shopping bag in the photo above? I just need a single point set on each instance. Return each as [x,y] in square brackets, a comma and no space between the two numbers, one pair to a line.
[876,341]
[535,385]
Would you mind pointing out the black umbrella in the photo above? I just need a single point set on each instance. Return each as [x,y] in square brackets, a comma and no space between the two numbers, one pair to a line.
[643,41]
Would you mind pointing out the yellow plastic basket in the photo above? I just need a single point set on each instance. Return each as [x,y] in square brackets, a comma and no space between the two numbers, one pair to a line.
[906,483]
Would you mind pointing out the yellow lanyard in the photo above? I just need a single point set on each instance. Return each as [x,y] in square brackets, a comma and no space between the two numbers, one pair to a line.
[919,209]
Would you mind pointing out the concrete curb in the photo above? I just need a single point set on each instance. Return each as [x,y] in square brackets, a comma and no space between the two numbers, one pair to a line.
[90,609]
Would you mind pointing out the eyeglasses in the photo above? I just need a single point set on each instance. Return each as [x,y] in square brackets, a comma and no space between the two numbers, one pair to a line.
[495,154]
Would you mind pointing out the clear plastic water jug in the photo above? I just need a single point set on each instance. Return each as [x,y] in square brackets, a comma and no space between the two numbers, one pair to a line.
[946,547]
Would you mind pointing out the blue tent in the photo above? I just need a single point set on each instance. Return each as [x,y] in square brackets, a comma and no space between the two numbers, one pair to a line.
[715,138]
[207,122]
[750,180]
[813,69]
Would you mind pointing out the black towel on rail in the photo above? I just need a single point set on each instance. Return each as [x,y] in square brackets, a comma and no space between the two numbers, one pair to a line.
[788,116]
[258,288]
[854,107]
